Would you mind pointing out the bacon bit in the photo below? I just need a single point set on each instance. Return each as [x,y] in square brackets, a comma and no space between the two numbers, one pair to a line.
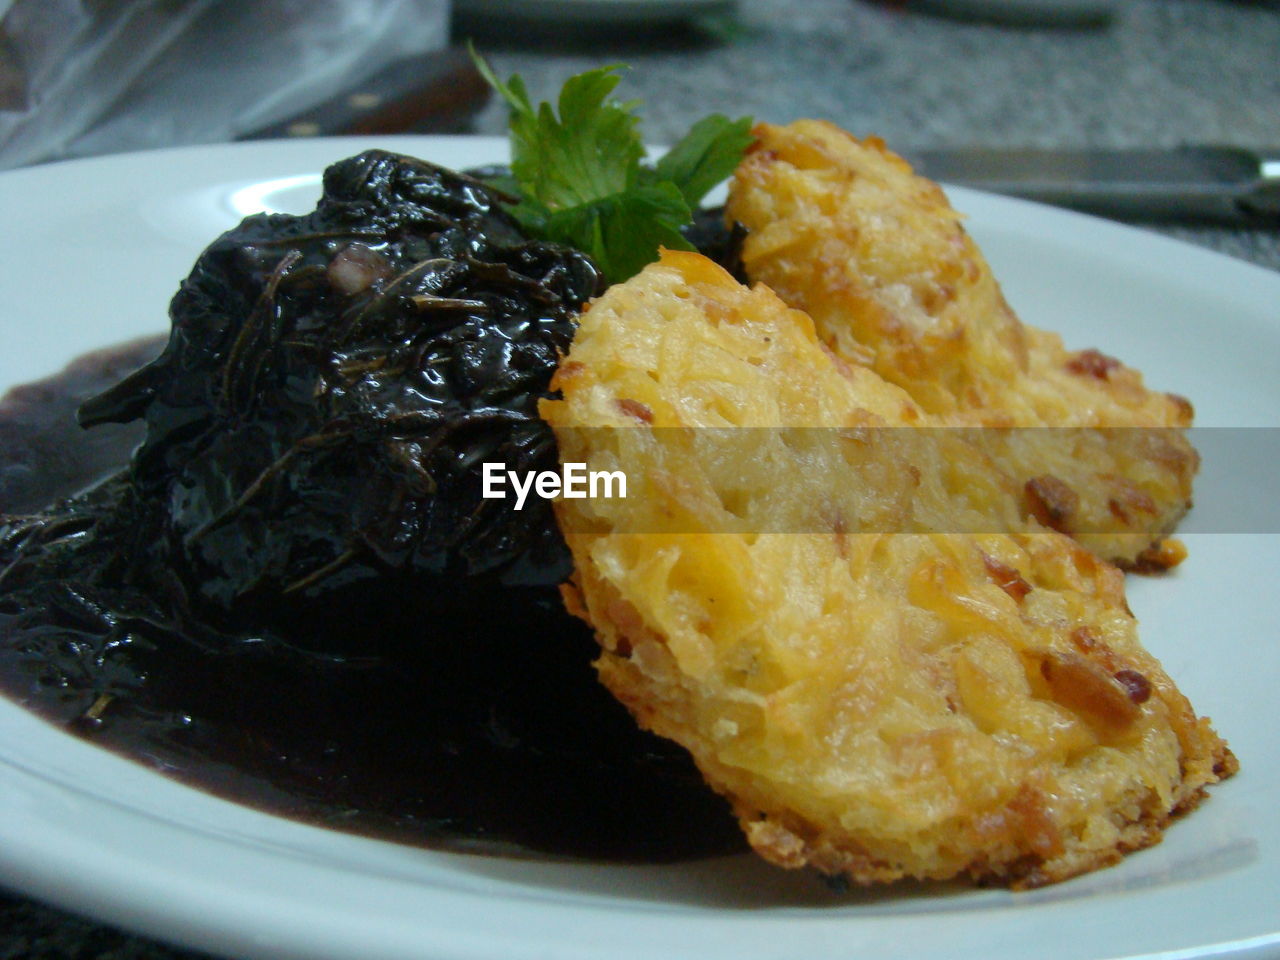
[1087,689]
[1118,511]
[1139,687]
[1006,578]
[1051,501]
[1092,363]
[1129,496]
[1086,639]
[1089,642]
[634,408]
[1089,566]
[1160,557]
[570,369]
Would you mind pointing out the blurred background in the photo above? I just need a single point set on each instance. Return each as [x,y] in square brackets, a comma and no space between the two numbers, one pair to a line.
[80,78]
[86,77]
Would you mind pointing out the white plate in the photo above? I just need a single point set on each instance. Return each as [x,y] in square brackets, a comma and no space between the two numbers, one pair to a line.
[90,253]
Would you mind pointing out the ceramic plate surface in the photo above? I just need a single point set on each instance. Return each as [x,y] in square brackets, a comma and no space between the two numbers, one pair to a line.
[91,252]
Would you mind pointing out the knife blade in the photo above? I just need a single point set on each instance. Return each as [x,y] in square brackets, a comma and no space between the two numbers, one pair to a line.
[1206,183]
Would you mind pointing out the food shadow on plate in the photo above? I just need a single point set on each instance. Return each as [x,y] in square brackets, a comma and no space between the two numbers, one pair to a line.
[744,882]
[497,738]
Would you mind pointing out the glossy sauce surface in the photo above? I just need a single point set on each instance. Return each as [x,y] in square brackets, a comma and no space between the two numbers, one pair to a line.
[480,725]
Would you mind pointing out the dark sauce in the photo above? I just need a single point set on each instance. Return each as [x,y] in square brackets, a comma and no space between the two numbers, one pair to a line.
[479,737]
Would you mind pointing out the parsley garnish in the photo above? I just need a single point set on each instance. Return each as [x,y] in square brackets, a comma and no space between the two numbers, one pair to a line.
[579,174]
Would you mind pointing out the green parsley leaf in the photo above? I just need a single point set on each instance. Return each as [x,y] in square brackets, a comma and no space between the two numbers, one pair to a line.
[708,153]
[577,170]
[622,232]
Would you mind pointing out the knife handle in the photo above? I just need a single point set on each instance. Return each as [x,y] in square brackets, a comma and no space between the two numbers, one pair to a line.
[438,92]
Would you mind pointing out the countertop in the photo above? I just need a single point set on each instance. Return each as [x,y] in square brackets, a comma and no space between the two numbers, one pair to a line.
[1163,73]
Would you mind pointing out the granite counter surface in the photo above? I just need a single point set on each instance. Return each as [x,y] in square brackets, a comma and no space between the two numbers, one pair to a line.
[1163,73]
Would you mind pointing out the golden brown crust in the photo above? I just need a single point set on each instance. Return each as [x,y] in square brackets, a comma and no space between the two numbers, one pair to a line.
[843,229]
[874,705]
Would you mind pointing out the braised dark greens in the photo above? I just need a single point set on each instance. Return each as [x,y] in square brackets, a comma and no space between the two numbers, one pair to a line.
[294,593]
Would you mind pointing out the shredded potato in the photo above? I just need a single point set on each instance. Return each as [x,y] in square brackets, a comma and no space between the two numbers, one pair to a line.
[842,229]
[875,704]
